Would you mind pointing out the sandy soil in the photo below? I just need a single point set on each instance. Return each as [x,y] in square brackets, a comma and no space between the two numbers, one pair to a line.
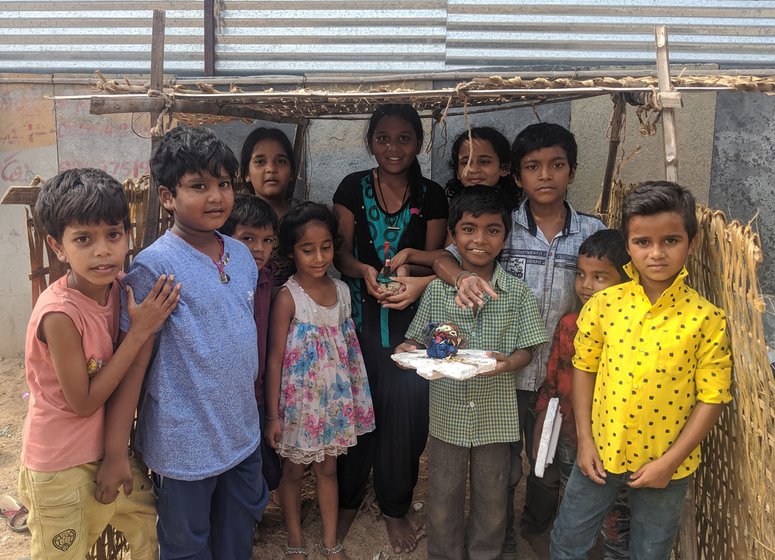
[13,408]
[367,539]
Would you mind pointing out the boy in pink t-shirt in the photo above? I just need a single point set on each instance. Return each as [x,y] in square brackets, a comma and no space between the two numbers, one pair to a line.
[74,363]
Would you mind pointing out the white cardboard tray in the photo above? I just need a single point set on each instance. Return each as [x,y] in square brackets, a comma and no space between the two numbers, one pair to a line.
[464,365]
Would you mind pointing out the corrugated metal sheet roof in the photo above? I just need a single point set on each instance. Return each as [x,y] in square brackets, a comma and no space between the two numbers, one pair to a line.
[293,36]
[362,36]
[565,32]
[109,35]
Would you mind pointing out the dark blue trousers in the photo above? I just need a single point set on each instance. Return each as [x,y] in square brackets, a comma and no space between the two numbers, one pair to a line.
[214,518]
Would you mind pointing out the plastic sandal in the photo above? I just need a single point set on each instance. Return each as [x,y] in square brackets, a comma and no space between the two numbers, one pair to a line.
[295,550]
[15,514]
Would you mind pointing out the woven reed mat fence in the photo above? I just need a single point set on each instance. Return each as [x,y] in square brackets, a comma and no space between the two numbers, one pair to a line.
[735,485]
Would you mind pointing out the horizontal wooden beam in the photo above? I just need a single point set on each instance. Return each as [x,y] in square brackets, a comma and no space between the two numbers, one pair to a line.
[21,195]
[107,105]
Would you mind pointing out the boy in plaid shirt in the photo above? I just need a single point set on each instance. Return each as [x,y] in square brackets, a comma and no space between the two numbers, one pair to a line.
[473,422]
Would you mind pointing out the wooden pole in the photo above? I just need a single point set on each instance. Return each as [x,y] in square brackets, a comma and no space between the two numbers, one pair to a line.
[157,83]
[299,140]
[617,119]
[209,37]
[664,95]
[104,105]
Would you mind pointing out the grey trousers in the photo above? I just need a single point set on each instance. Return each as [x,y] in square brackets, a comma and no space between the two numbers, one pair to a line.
[449,536]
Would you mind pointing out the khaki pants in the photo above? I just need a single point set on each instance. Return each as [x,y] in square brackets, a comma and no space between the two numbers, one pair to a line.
[66,519]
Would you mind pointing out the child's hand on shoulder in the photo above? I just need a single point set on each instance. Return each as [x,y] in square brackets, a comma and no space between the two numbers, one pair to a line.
[471,290]
[112,474]
[148,316]
[272,432]
[656,474]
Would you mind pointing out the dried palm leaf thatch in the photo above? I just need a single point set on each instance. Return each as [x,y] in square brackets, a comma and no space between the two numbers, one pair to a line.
[735,503]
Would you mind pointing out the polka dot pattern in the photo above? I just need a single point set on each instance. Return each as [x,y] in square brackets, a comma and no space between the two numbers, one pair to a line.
[653,364]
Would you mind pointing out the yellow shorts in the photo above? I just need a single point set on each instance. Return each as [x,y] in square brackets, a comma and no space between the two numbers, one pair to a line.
[66,519]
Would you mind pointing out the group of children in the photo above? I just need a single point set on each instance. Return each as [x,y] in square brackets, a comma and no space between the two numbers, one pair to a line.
[247,362]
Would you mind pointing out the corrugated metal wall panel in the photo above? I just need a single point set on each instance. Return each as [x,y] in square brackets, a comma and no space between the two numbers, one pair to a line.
[361,36]
[110,35]
[586,32]
[293,36]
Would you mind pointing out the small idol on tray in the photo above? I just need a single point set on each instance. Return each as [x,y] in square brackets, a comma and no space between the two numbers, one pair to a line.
[442,340]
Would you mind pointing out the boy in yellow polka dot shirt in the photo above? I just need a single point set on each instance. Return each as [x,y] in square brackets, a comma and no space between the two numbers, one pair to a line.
[652,375]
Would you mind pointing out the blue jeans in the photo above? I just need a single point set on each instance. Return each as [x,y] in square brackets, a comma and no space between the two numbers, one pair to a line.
[213,518]
[616,527]
[655,514]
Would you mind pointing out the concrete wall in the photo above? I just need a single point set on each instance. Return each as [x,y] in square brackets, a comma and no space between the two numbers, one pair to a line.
[743,175]
[725,146]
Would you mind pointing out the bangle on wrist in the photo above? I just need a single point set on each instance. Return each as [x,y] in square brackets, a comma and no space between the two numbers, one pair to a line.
[460,277]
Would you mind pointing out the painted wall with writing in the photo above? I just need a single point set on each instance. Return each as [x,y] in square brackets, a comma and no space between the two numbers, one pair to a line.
[39,136]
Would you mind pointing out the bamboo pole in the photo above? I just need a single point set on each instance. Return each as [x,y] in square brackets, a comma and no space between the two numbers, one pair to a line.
[687,532]
[412,96]
[668,115]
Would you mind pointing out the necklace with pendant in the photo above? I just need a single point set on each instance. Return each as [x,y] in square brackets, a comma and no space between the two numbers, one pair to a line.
[391,220]
[220,264]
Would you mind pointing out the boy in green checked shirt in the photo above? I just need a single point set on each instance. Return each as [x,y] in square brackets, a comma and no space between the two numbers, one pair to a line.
[473,422]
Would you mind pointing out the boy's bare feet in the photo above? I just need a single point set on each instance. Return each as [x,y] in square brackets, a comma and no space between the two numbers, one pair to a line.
[403,537]
[344,520]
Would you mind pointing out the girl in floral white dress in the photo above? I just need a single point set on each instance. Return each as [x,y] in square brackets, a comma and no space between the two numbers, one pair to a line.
[318,397]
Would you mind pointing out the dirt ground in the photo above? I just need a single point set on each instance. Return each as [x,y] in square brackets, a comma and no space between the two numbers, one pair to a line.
[367,539]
